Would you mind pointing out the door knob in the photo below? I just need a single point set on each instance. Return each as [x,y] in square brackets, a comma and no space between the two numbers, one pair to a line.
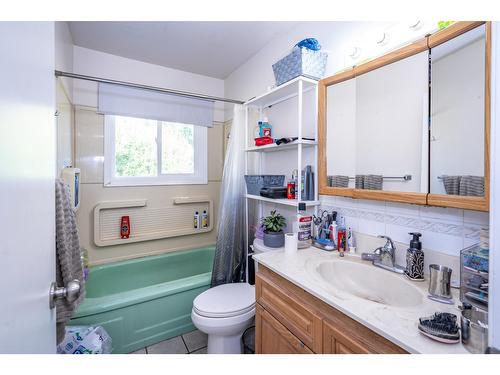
[71,292]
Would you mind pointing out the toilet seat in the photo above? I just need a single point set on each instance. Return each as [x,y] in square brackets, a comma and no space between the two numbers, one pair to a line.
[225,301]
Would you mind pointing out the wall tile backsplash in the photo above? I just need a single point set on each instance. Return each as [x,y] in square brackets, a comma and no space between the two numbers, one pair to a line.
[444,230]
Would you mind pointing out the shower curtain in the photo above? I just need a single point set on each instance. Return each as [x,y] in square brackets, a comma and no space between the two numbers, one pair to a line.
[229,261]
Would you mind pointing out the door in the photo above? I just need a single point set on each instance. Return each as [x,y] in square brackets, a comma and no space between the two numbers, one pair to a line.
[335,342]
[27,172]
[274,338]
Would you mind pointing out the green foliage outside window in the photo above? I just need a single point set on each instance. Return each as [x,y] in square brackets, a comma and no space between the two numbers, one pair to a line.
[444,24]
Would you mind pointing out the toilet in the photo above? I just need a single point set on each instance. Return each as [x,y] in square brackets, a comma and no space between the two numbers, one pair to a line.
[224,313]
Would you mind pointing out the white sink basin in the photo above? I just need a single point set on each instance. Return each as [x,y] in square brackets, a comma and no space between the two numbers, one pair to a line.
[368,282]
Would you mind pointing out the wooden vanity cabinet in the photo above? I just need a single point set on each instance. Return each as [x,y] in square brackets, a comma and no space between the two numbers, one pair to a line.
[290,320]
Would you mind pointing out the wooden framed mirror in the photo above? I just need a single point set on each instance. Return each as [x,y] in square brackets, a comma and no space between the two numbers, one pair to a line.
[376,135]
[460,59]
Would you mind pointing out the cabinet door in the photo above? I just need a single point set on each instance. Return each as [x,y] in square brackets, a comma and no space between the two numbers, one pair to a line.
[335,342]
[298,317]
[273,338]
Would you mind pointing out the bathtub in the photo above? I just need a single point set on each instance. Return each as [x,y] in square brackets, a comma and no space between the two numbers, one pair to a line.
[143,301]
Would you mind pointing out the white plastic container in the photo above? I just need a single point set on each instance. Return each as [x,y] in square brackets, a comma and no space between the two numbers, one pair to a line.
[204,219]
[303,227]
[196,221]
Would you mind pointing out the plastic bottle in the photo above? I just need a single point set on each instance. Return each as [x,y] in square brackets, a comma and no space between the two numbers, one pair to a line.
[341,235]
[350,241]
[204,219]
[303,227]
[308,184]
[196,220]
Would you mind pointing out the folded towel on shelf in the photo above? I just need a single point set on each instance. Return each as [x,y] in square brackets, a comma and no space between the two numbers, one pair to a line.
[339,181]
[451,184]
[373,182]
[472,186]
[68,256]
[359,181]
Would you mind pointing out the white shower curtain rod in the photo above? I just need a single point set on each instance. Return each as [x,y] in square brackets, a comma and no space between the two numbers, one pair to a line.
[186,94]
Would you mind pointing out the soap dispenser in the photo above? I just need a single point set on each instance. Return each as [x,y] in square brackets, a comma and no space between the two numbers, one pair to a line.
[415,259]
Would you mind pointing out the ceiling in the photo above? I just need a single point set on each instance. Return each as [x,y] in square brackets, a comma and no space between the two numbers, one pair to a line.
[213,49]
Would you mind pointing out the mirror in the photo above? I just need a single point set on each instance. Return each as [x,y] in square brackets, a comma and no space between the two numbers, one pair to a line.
[376,128]
[411,126]
[457,131]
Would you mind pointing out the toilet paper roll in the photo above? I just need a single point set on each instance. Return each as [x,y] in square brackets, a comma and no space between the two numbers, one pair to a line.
[291,243]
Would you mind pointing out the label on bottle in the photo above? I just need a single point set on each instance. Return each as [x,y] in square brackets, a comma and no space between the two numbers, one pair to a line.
[290,190]
[304,229]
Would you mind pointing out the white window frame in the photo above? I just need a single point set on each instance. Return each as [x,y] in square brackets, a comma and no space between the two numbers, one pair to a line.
[199,177]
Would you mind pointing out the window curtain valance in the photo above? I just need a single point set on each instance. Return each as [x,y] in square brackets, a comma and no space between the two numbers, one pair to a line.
[133,102]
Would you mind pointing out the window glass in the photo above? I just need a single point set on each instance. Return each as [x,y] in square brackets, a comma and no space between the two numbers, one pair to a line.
[135,147]
[177,148]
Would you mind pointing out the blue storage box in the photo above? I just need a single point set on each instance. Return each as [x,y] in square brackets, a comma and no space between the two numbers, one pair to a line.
[301,62]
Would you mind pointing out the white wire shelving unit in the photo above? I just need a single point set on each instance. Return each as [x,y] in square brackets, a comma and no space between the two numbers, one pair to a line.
[295,88]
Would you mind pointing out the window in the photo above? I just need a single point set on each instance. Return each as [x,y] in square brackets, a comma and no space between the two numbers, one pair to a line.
[149,152]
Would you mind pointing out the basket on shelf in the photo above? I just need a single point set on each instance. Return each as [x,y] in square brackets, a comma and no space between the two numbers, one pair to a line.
[300,62]
[257,182]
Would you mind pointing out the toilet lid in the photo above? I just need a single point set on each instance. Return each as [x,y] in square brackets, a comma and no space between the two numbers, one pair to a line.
[225,300]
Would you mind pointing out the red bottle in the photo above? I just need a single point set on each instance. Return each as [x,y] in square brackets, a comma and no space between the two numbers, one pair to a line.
[290,190]
[125,227]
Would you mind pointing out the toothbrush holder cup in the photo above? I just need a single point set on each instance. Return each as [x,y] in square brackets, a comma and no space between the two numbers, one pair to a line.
[440,281]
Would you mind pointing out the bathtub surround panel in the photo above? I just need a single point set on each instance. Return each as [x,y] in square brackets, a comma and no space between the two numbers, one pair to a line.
[173,220]
[144,301]
[89,157]
[65,127]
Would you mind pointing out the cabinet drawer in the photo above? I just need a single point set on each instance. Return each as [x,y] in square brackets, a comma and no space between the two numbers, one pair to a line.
[296,316]
[273,338]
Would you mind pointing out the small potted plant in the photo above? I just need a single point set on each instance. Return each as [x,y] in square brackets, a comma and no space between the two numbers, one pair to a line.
[273,229]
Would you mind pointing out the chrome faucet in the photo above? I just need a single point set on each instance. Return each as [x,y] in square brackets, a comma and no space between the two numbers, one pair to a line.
[387,253]
[384,256]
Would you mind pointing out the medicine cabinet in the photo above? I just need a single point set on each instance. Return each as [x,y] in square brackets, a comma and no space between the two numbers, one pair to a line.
[411,126]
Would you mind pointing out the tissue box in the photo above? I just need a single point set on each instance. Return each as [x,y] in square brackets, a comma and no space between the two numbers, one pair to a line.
[301,62]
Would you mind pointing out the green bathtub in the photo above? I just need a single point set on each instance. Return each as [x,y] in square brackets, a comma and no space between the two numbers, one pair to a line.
[143,301]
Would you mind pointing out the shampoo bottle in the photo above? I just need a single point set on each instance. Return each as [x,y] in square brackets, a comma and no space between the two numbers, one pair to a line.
[415,259]
[308,184]
[204,219]
[196,221]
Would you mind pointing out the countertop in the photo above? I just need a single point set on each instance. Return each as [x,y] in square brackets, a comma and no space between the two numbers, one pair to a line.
[397,324]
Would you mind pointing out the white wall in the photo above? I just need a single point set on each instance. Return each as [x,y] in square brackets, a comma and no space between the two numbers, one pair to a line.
[65,128]
[64,93]
[64,54]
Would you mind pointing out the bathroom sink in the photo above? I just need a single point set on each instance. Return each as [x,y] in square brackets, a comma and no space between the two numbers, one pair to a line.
[370,283]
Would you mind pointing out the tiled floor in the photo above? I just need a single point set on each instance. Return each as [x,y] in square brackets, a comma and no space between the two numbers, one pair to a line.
[194,342]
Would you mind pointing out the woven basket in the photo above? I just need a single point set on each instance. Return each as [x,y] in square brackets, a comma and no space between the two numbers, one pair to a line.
[301,62]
